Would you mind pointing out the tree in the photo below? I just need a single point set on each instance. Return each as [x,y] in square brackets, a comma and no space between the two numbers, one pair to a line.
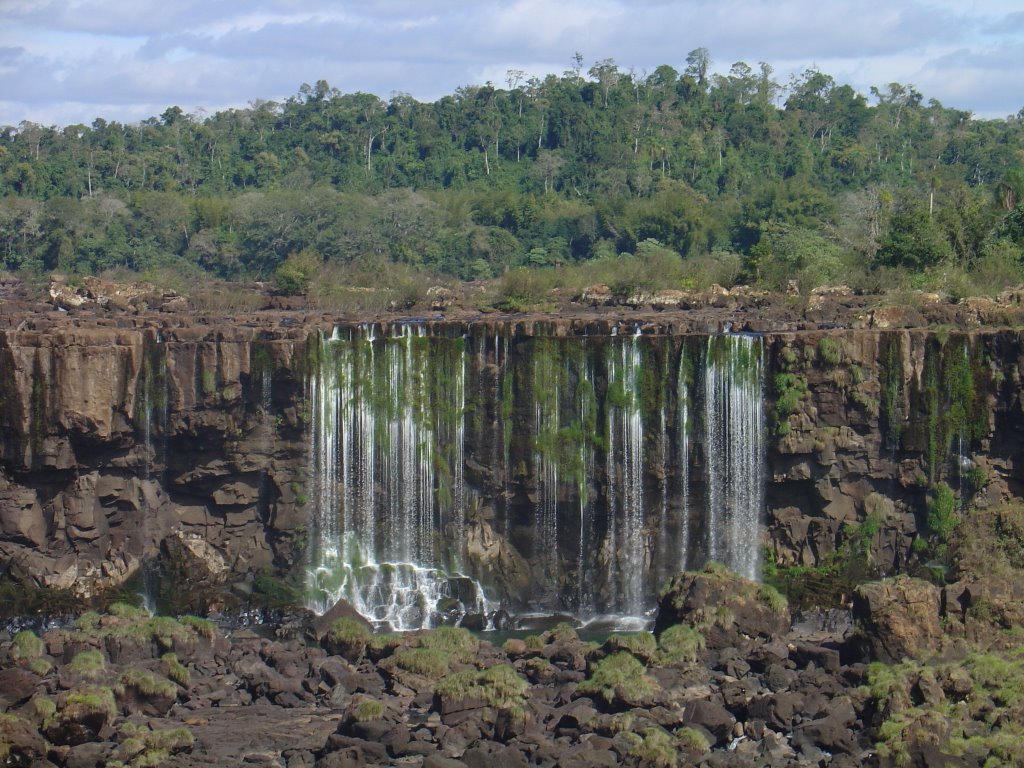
[912,240]
[698,61]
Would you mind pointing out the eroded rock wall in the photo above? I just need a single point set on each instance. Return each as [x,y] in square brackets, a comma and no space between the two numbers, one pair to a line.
[189,440]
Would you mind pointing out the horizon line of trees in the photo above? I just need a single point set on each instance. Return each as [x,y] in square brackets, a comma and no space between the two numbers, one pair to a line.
[803,181]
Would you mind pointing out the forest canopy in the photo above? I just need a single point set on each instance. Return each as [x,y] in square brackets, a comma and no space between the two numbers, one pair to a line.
[706,177]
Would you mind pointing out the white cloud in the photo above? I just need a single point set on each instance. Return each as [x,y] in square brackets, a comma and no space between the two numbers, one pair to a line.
[70,60]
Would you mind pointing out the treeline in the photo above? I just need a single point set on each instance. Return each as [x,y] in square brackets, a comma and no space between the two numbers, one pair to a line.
[806,181]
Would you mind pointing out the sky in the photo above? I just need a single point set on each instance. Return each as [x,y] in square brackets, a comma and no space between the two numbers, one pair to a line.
[64,62]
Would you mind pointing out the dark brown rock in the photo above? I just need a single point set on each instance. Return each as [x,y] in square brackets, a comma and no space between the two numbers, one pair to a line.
[900,617]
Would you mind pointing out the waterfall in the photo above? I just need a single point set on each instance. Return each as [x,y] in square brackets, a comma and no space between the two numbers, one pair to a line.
[386,428]
[625,464]
[559,444]
[734,451]
[683,437]
[547,384]
[587,409]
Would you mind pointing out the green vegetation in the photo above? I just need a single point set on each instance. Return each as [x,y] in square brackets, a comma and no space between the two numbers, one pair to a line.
[790,389]
[637,182]
[456,643]
[942,517]
[771,597]
[434,652]
[174,669]
[657,749]
[347,630]
[830,351]
[970,709]
[148,684]
[88,663]
[27,646]
[640,644]
[368,709]
[679,644]
[692,741]
[88,701]
[498,686]
[620,672]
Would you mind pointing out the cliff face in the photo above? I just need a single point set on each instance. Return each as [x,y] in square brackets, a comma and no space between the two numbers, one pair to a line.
[573,464]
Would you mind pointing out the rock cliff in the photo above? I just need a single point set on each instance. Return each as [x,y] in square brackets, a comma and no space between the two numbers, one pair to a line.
[186,441]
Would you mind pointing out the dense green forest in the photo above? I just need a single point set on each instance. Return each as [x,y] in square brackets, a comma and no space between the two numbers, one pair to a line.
[680,177]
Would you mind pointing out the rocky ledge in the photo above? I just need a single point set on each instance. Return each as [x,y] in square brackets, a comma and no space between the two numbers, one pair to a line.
[729,678]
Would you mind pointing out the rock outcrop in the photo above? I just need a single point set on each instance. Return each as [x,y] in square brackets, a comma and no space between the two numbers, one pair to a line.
[132,439]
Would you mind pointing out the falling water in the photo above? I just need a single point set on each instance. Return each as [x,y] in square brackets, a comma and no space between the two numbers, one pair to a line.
[379,423]
[625,476]
[683,430]
[547,381]
[587,407]
[734,450]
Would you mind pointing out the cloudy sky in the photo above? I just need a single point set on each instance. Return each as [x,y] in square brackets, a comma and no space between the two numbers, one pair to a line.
[70,61]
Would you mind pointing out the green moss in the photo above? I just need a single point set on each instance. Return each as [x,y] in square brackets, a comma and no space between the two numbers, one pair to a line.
[88,663]
[771,597]
[456,643]
[942,517]
[90,701]
[500,687]
[368,709]
[693,741]
[640,644]
[27,646]
[40,666]
[563,632]
[830,350]
[618,672]
[175,670]
[657,749]
[209,382]
[148,684]
[127,611]
[427,662]
[679,644]
[348,630]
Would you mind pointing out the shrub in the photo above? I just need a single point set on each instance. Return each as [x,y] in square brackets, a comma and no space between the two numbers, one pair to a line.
[26,646]
[640,644]
[679,644]
[88,663]
[295,274]
[615,673]
[456,643]
[368,709]
[771,597]
[657,749]
[942,518]
[500,687]
[693,741]
[148,684]
[174,669]
[428,662]
[348,630]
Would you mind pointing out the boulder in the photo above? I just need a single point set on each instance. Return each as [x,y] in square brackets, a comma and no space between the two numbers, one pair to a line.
[899,617]
[723,605]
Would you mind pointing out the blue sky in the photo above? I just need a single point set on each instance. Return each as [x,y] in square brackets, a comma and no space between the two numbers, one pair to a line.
[70,61]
